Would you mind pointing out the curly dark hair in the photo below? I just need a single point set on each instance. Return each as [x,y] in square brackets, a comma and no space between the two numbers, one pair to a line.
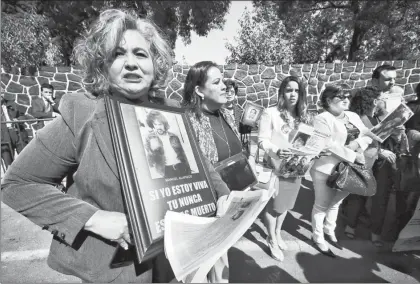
[153,116]
[362,102]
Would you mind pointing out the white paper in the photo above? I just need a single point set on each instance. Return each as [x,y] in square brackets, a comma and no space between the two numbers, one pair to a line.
[194,244]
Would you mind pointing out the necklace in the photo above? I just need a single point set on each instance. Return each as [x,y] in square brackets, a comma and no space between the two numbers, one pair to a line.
[224,133]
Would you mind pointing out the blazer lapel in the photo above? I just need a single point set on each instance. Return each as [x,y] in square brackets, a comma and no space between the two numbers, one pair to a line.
[102,134]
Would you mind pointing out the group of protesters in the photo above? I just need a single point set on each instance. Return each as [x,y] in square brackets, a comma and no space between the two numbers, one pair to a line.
[127,59]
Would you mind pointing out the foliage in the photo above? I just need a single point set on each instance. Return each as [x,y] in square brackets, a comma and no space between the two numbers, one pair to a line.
[260,41]
[22,38]
[352,30]
[64,21]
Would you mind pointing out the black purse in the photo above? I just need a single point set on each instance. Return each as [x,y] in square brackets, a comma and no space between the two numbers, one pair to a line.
[353,178]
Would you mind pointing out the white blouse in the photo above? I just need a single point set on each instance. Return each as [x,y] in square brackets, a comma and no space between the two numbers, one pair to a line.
[329,124]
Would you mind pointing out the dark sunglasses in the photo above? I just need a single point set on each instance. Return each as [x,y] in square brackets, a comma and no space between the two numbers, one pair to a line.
[343,97]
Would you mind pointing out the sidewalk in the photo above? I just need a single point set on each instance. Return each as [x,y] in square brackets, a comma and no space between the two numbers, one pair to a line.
[25,247]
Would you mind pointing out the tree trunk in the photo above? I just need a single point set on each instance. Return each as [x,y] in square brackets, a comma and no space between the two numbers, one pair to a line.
[355,43]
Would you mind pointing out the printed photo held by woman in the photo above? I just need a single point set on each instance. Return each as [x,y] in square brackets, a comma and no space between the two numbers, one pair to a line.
[280,122]
[127,59]
[214,127]
[349,138]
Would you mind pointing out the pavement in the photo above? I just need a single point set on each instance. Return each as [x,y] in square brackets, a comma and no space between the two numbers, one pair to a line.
[25,247]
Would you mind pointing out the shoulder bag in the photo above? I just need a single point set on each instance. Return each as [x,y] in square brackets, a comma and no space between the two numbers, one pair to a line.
[353,178]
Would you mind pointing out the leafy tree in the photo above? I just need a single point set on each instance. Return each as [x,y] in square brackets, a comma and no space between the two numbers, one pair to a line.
[22,34]
[352,30]
[260,41]
[67,20]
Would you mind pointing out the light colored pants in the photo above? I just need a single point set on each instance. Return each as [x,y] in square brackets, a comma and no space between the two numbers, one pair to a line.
[325,210]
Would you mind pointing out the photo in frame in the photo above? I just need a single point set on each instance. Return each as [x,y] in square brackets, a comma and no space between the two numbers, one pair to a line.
[237,173]
[252,113]
[161,168]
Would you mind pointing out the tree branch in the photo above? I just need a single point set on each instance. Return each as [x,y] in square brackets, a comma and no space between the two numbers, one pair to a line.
[331,6]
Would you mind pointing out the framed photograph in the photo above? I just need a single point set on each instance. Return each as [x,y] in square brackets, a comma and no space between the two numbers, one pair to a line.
[252,113]
[396,118]
[237,173]
[161,168]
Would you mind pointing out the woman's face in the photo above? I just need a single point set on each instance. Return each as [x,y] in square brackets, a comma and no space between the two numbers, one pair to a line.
[291,93]
[339,103]
[131,72]
[213,92]
[230,94]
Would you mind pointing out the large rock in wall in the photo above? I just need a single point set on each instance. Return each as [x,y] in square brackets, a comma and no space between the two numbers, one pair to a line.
[257,83]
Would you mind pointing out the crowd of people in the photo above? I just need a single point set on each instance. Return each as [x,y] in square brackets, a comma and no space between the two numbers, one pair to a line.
[127,59]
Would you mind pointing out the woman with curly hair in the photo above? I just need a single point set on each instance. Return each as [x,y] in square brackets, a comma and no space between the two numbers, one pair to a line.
[125,58]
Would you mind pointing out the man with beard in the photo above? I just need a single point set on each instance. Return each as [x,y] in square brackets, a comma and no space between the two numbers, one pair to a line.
[165,152]
[383,78]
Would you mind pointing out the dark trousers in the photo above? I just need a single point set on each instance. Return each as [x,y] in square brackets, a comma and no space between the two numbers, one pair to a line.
[386,179]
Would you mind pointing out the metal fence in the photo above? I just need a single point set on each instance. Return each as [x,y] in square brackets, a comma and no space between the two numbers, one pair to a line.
[14,137]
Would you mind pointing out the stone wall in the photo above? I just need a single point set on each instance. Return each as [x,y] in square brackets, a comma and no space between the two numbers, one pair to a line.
[257,83]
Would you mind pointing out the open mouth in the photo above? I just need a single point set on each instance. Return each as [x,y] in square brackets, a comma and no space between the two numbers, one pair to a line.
[132,77]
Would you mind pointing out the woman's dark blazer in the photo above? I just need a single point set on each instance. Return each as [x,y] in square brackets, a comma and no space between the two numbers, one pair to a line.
[78,142]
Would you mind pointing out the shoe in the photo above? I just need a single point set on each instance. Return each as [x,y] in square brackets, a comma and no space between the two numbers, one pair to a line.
[275,251]
[376,241]
[327,252]
[350,233]
[333,241]
[282,245]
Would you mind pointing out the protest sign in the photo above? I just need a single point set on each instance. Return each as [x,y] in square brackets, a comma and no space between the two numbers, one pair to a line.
[161,168]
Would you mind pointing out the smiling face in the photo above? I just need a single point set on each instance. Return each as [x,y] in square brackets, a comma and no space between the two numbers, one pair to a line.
[213,92]
[291,94]
[131,72]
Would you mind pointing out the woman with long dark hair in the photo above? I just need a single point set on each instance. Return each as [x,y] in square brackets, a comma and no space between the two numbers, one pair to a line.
[279,122]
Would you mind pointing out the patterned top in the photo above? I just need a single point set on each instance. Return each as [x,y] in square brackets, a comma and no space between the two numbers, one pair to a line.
[204,133]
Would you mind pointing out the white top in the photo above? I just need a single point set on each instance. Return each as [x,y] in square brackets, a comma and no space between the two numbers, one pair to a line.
[329,124]
[170,155]
[273,131]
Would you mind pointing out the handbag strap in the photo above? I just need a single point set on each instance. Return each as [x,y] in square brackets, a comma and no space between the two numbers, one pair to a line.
[257,154]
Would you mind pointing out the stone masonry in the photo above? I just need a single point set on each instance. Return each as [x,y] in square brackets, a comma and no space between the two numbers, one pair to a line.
[257,83]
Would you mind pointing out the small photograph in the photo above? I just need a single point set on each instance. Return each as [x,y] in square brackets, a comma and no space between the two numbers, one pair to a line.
[396,118]
[252,113]
[304,164]
[300,140]
[168,149]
